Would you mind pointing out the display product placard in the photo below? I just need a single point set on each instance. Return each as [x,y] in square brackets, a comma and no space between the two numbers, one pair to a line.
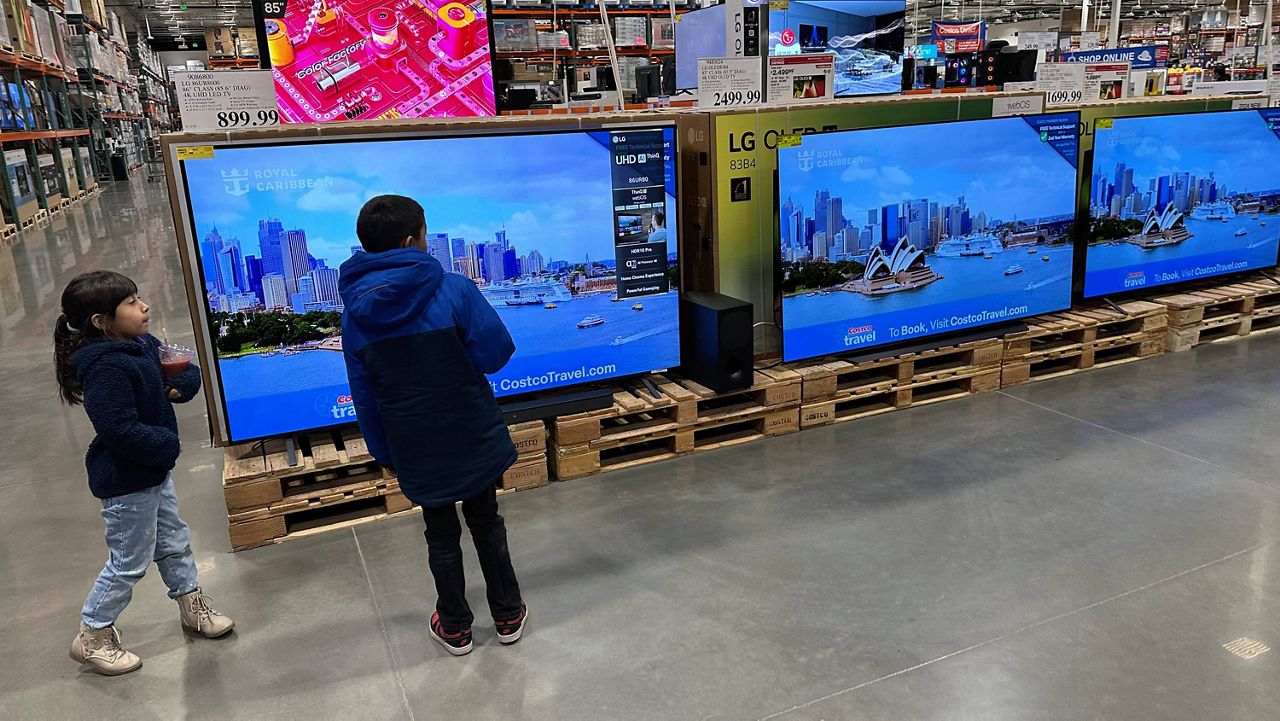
[1061,83]
[795,79]
[1106,81]
[1005,106]
[226,100]
[729,82]
[881,243]
[578,258]
[368,59]
[1175,198]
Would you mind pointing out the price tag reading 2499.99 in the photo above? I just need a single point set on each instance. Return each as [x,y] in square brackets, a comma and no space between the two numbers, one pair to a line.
[729,82]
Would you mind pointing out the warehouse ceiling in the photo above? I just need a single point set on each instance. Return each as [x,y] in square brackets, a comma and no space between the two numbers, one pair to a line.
[169,22]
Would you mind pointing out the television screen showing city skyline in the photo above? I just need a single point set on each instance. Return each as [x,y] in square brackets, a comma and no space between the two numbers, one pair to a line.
[1174,198]
[545,224]
[893,234]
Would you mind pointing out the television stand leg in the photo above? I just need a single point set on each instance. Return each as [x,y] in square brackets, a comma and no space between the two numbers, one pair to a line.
[1269,276]
[1113,305]
[649,386]
[291,450]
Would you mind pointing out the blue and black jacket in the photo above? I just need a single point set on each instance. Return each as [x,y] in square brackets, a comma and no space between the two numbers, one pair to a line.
[418,342]
[126,397]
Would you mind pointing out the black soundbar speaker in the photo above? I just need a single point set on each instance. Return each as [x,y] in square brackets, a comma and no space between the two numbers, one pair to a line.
[716,345]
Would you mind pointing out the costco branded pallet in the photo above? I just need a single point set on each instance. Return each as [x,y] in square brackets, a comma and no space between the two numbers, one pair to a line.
[686,418]
[1215,313]
[1060,344]
[333,483]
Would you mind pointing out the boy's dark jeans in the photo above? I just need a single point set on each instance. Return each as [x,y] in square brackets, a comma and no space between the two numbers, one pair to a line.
[444,555]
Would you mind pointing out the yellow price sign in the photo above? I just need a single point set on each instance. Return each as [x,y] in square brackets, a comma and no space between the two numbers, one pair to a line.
[195,152]
[789,141]
[1105,123]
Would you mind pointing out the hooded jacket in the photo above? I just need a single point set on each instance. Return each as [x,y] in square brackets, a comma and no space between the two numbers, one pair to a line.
[418,343]
[125,395]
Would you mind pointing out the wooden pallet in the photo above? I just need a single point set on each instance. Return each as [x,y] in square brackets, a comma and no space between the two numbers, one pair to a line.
[1060,344]
[840,380]
[8,231]
[527,473]
[1117,351]
[920,393]
[299,517]
[956,362]
[1215,314]
[635,413]
[718,429]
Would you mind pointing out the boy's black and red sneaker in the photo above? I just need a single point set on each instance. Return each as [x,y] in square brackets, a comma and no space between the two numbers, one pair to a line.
[457,643]
[509,631]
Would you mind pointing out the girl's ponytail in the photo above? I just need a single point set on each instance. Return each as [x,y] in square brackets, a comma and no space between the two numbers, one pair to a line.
[89,294]
[67,340]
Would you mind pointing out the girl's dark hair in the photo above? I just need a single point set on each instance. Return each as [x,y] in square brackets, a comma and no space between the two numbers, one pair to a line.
[87,295]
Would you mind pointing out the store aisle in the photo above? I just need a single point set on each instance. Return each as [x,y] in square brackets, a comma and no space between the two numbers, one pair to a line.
[1080,548]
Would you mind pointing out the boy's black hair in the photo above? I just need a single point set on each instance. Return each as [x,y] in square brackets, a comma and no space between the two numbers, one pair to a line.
[660,217]
[386,220]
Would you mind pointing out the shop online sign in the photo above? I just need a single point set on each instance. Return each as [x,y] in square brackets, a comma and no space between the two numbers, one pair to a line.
[1139,58]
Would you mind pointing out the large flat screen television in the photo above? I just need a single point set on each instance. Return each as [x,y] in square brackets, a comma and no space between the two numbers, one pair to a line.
[894,234]
[570,235]
[336,60]
[1179,197]
[866,37]
[699,34]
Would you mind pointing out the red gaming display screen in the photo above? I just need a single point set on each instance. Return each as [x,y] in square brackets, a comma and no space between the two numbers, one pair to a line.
[339,60]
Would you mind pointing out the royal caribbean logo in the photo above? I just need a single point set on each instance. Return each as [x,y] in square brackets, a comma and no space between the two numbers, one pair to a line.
[804,160]
[859,335]
[235,182]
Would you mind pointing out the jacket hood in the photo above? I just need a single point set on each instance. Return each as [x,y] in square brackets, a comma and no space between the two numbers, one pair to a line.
[386,290]
[99,348]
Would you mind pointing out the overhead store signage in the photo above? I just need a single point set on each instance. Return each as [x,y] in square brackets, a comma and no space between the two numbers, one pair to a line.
[729,82]
[1139,58]
[801,79]
[226,100]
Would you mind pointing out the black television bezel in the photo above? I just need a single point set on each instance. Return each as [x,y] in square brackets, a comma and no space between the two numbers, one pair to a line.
[1084,218]
[222,425]
[888,348]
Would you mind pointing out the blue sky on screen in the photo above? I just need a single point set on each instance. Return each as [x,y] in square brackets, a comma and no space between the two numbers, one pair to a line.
[1000,166]
[1237,146]
[552,192]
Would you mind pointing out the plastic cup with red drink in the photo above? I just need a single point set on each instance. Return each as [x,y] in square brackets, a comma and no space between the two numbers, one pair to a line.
[174,360]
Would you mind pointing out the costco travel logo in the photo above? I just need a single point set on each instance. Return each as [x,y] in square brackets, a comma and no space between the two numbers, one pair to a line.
[339,408]
[859,335]
[1136,279]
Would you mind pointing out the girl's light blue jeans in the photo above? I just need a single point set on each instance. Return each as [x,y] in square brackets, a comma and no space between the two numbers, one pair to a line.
[141,527]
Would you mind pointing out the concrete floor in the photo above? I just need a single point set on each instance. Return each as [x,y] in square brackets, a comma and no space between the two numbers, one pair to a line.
[1075,549]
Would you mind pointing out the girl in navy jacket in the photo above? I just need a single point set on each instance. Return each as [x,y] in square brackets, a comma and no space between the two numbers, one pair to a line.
[107,361]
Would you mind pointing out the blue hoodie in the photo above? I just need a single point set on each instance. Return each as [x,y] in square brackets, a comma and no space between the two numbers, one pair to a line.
[418,343]
[125,395]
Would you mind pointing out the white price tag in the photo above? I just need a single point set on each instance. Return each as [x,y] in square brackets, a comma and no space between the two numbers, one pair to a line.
[729,82]
[1038,41]
[1106,81]
[226,99]
[1061,83]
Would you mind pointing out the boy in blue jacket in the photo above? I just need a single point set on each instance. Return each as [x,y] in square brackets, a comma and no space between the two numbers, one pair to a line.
[418,342]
